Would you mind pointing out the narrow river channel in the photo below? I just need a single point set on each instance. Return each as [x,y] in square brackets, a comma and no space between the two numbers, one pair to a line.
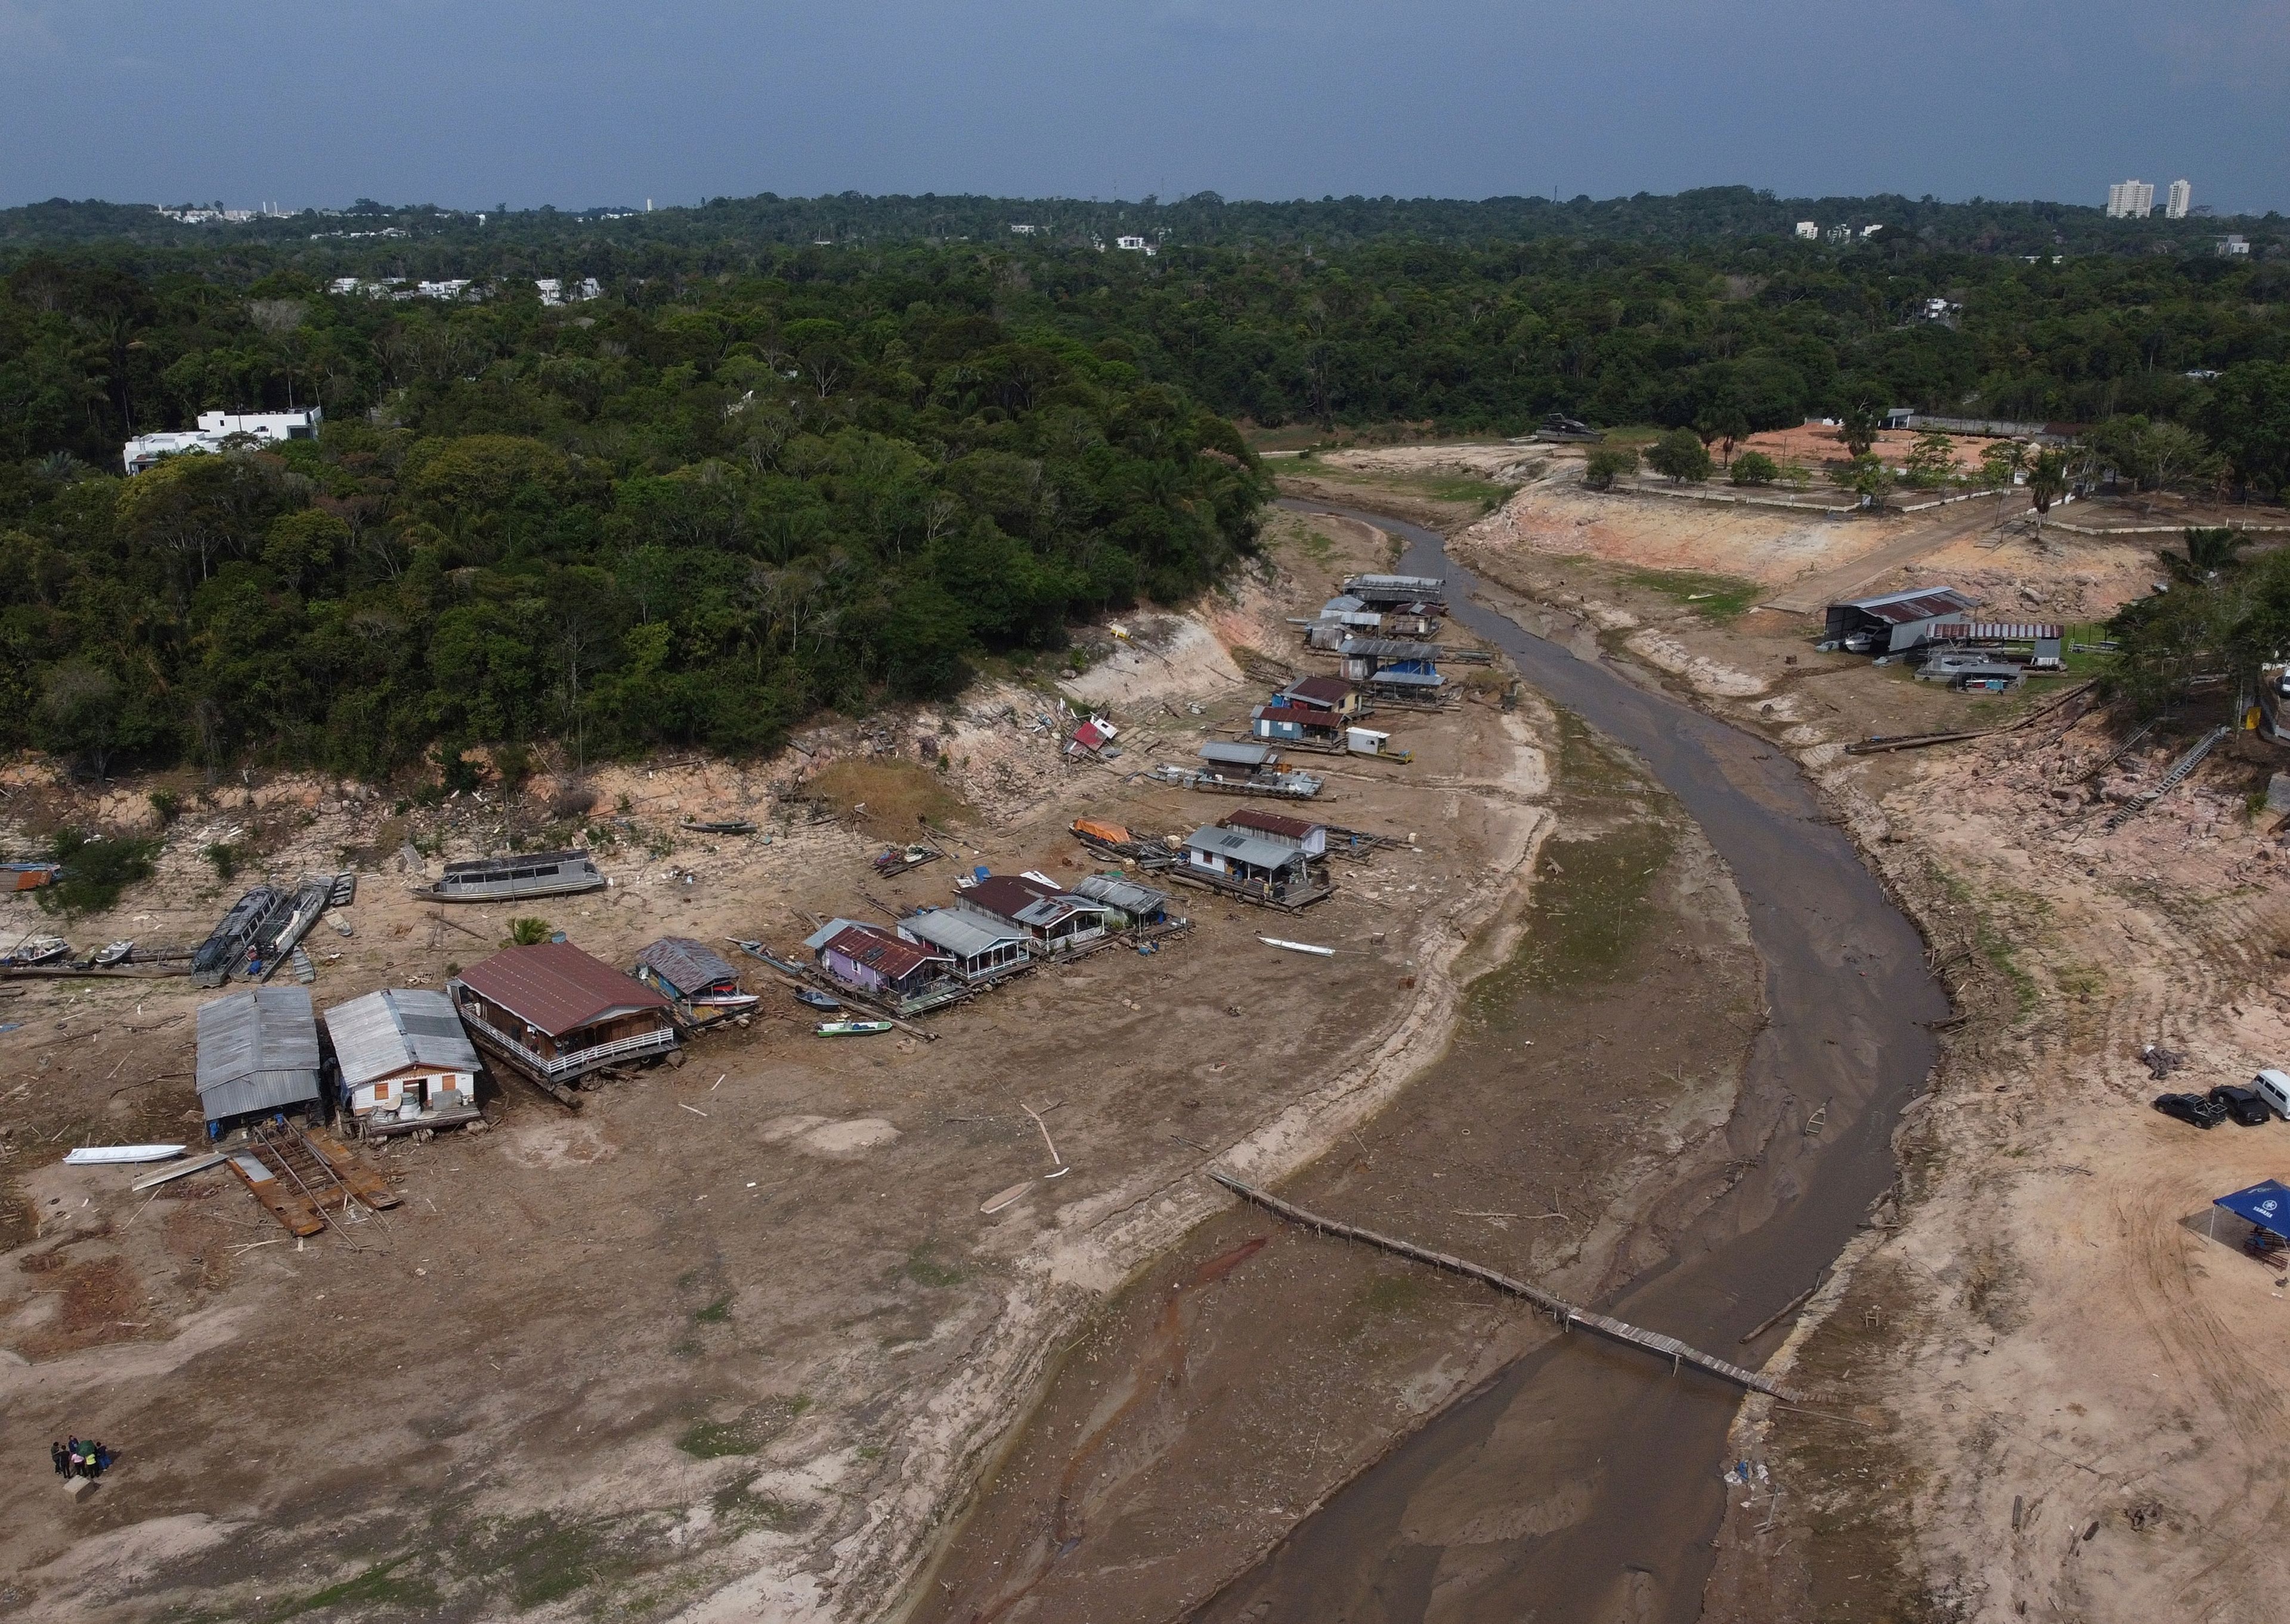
[1850,1000]
[1582,1483]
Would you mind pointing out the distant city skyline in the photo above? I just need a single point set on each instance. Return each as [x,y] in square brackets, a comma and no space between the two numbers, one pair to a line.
[578,104]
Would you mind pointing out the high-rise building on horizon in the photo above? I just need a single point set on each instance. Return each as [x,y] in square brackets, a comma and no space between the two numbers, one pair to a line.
[2130,200]
[2178,200]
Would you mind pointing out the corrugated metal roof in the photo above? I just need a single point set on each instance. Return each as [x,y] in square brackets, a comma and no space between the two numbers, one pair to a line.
[1385,648]
[257,1049]
[687,965]
[1397,678]
[1273,823]
[880,951]
[1009,896]
[966,935]
[1237,755]
[1236,846]
[1327,692]
[555,988]
[1127,895]
[1917,603]
[2000,630]
[397,1028]
[1418,583]
[1343,603]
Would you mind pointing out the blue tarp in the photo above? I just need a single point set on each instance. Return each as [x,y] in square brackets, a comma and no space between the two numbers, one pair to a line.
[2267,1206]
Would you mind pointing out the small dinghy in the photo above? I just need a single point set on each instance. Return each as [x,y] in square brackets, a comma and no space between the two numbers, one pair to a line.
[100,1156]
[728,826]
[112,953]
[39,950]
[851,1028]
[818,1000]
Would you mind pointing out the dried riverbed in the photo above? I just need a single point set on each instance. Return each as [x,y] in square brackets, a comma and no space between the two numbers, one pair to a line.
[1581,1482]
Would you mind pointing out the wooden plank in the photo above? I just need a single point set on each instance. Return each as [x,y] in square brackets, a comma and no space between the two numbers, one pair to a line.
[355,1173]
[290,1207]
[1564,1312]
[197,1163]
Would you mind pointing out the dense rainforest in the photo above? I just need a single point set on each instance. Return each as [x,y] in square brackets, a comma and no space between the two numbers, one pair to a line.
[757,475]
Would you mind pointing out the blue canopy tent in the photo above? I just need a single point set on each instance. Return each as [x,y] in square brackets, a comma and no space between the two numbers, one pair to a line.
[2266,1204]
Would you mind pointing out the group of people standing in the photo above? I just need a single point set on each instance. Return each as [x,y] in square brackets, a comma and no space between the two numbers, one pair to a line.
[79,1460]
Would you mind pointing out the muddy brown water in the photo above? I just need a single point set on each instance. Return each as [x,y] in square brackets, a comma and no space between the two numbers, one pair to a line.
[1583,1482]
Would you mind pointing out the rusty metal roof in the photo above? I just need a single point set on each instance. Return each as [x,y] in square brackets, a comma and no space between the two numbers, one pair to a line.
[555,988]
[880,951]
[1272,823]
[2012,631]
[1921,604]
[1301,715]
[1323,691]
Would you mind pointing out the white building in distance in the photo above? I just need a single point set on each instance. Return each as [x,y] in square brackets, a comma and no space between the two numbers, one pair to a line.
[554,292]
[2179,201]
[2130,200]
[263,427]
[1808,230]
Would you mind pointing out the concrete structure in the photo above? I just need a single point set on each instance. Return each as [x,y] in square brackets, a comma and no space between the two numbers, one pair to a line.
[2130,200]
[258,1052]
[403,1061]
[553,1012]
[1808,231]
[262,427]
[2179,202]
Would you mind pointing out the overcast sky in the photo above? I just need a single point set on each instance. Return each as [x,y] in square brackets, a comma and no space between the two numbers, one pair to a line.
[578,103]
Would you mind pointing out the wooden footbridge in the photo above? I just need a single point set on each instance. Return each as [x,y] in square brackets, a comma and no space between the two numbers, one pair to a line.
[1676,1352]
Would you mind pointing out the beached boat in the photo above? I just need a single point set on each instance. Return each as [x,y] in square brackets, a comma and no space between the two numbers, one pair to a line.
[38,951]
[727,825]
[851,1028]
[818,1000]
[529,874]
[112,953]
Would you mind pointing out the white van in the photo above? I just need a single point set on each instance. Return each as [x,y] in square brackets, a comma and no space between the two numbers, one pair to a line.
[2274,1087]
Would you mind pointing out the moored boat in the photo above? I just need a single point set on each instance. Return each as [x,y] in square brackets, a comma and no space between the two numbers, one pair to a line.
[851,1028]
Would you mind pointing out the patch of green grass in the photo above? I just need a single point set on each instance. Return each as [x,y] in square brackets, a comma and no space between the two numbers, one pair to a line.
[1390,1294]
[1715,597]
[375,1589]
[923,1269]
[556,1563]
[716,1313]
[713,1440]
[744,1433]
[689,1278]
[2085,665]
[1590,906]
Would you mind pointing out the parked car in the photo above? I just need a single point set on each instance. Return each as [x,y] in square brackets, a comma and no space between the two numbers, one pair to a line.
[2194,1109]
[2243,1104]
